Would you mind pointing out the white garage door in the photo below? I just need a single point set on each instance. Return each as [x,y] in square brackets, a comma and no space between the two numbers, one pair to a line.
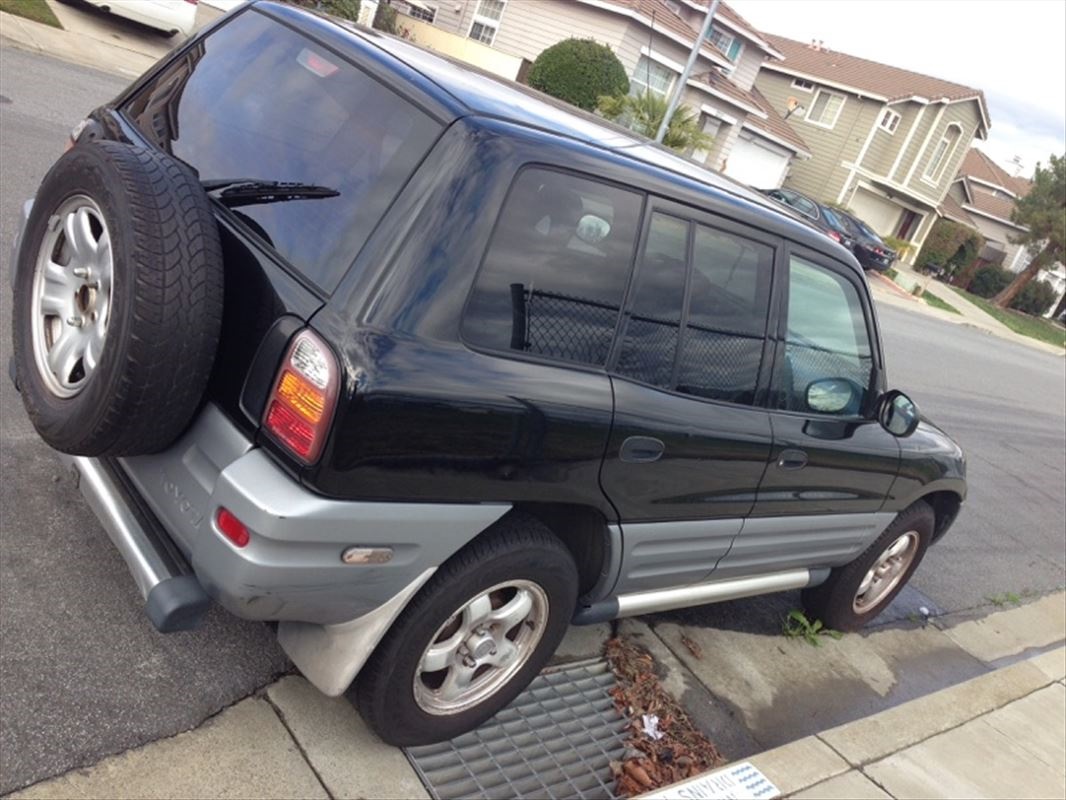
[880,214]
[757,163]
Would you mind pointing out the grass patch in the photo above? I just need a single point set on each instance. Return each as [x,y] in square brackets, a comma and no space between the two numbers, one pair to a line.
[1034,327]
[936,302]
[890,274]
[36,10]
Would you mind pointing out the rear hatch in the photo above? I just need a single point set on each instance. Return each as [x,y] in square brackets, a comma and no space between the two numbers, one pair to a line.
[302,152]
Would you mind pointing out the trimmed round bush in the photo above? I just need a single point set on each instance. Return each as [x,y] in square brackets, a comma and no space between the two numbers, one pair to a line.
[990,281]
[579,71]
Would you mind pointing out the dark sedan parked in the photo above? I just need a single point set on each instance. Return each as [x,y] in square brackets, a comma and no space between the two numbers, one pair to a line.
[869,248]
[821,217]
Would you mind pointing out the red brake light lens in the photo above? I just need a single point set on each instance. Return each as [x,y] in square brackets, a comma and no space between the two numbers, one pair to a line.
[833,235]
[300,407]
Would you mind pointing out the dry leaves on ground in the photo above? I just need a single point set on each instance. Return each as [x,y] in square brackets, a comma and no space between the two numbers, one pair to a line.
[682,751]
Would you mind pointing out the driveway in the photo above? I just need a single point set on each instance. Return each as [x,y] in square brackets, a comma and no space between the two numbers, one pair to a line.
[84,674]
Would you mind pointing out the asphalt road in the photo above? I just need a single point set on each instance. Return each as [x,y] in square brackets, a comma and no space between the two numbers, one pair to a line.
[83,674]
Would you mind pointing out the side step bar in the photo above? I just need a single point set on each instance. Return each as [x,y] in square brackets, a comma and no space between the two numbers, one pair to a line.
[630,605]
[174,598]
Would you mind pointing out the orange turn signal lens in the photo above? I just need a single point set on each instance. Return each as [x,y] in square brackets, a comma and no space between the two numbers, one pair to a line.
[304,398]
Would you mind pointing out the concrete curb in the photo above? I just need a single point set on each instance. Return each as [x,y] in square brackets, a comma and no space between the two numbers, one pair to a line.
[856,759]
[72,46]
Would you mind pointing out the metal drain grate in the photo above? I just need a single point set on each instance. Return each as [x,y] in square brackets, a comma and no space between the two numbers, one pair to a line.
[556,740]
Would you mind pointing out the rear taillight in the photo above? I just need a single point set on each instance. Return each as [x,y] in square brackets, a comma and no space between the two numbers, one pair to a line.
[301,403]
[833,235]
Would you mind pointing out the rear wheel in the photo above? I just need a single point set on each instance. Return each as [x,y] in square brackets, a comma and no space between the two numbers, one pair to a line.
[857,592]
[473,638]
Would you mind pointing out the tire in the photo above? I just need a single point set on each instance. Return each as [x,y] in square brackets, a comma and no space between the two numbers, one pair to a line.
[406,706]
[148,332]
[838,602]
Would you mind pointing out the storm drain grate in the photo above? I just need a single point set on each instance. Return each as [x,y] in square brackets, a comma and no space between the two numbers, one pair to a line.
[556,740]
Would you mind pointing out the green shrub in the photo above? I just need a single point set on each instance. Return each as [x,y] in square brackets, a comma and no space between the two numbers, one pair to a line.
[348,9]
[990,281]
[579,71]
[644,114]
[951,246]
[1035,298]
[385,18]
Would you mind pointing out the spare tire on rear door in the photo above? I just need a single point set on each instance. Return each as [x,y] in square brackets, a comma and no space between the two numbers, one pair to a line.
[118,301]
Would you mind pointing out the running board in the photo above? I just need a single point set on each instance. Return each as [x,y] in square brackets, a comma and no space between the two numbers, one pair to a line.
[629,605]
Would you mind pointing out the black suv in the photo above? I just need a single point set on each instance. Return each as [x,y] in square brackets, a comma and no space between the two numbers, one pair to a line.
[426,367]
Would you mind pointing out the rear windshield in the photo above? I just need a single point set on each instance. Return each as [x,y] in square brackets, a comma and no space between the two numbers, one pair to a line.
[256,100]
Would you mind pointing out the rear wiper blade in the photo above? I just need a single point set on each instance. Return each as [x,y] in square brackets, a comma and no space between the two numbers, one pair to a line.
[244,192]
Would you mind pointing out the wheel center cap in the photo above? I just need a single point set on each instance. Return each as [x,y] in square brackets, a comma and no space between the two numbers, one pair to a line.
[85,299]
[480,646]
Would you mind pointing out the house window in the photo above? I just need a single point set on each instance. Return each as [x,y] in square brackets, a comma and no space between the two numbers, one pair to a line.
[651,77]
[802,85]
[487,20]
[945,148]
[426,14]
[728,44]
[889,121]
[825,109]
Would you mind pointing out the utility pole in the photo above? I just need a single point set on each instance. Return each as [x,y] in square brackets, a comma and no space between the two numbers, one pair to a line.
[675,95]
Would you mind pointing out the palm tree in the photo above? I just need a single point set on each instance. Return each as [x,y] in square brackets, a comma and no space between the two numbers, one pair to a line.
[644,112]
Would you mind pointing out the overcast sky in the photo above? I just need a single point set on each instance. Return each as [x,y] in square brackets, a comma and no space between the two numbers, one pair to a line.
[1015,51]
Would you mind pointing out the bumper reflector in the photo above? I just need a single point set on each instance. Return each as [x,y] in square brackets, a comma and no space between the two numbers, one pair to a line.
[232,528]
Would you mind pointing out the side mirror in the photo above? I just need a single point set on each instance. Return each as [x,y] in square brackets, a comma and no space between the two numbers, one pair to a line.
[832,395]
[897,413]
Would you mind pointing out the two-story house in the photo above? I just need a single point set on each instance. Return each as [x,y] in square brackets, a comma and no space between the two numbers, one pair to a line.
[983,196]
[652,39]
[885,142]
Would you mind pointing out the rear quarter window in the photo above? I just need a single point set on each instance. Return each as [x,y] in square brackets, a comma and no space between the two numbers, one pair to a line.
[257,100]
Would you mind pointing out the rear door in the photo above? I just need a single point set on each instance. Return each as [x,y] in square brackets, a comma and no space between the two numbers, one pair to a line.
[689,443]
[820,501]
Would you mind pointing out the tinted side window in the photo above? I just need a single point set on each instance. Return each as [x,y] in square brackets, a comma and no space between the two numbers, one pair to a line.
[650,340]
[801,204]
[729,301]
[256,100]
[826,338]
[556,268]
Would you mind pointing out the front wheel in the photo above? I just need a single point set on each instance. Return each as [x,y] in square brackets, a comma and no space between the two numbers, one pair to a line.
[860,590]
[473,637]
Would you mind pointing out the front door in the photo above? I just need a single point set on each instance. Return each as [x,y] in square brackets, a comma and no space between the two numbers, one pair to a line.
[688,445]
[820,501]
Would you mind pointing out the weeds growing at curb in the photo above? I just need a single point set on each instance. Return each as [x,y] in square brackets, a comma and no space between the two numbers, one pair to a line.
[797,625]
[936,302]
[1003,598]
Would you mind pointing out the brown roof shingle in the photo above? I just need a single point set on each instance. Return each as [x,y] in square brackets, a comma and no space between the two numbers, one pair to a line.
[952,210]
[891,83]
[988,203]
[977,165]
[775,124]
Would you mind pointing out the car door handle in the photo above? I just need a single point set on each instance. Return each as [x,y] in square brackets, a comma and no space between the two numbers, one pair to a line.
[641,450]
[792,459]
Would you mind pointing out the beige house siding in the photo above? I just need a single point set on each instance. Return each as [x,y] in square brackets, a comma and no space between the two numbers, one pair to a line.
[966,115]
[748,66]
[957,193]
[528,27]
[885,147]
[1000,234]
[453,21]
[823,175]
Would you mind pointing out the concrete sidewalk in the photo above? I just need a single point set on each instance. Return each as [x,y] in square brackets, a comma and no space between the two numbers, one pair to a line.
[1000,734]
[897,293]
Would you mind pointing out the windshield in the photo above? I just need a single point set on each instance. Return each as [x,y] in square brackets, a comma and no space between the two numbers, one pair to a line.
[838,224]
[258,102]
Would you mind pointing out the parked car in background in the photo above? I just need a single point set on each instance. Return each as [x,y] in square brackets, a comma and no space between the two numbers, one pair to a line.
[170,16]
[822,217]
[869,248]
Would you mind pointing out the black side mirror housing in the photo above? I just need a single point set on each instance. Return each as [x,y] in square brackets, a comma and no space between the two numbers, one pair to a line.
[897,413]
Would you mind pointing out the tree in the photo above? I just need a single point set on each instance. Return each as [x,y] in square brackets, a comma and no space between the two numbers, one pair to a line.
[1043,213]
[385,17]
[643,113]
[579,71]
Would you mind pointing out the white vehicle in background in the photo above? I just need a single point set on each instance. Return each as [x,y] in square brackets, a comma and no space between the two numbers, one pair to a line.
[169,16]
